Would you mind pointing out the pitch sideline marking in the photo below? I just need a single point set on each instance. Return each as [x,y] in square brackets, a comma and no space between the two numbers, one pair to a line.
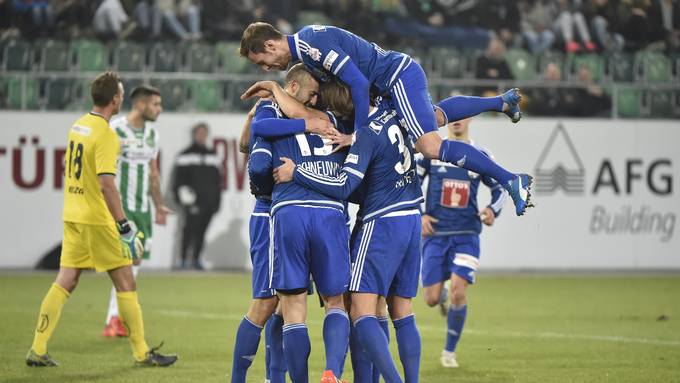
[509,334]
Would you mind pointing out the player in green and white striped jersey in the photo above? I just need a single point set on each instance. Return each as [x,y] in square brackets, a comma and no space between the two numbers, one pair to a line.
[138,178]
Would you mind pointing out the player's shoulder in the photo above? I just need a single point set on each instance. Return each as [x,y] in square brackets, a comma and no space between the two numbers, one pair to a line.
[314,30]
[268,105]
[381,117]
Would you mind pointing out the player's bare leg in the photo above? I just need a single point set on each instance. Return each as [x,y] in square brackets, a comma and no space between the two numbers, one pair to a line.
[408,337]
[456,319]
[131,314]
[336,337]
[50,311]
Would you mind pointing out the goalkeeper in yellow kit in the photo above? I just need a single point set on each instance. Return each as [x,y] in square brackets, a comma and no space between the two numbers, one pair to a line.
[96,232]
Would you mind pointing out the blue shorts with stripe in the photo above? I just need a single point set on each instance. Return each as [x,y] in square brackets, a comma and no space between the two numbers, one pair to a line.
[450,254]
[386,255]
[411,99]
[310,240]
[259,254]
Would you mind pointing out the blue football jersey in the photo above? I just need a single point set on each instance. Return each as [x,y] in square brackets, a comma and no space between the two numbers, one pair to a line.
[452,196]
[325,50]
[260,158]
[383,158]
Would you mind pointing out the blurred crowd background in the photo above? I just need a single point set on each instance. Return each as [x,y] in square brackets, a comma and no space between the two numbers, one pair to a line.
[581,58]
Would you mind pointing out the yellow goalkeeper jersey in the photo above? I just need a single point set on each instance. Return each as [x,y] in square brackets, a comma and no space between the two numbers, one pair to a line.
[92,149]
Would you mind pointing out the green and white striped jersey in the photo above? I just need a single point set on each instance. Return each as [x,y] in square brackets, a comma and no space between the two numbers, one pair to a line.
[137,148]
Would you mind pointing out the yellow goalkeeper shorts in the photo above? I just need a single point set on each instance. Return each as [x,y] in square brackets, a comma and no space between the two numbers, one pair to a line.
[93,246]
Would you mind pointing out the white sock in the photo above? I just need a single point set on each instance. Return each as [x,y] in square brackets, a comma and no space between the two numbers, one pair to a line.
[113,302]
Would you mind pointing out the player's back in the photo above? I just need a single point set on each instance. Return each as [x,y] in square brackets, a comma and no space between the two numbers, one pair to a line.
[379,66]
[311,152]
[92,150]
[390,182]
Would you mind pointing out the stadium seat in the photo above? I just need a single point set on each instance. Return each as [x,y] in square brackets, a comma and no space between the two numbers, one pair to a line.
[629,103]
[59,93]
[201,58]
[17,55]
[54,56]
[448,62]
[661,104]
[312,18]
[655,66]
[16,92]
[173,93]
[129,57]
[592,61]
[229,59]
[90,56]
[80,95]
[207,95]
[234,91]
[165,58]
[522,64]
[621,67]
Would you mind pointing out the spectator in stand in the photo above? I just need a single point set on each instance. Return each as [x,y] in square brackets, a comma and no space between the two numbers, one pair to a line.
[73,17]
[110,19]
[590,98]
[36,17]
[570,19]
[492,65]
[548,100]
[282,14]
[604,17]
[226,18]
[171,11]
[539,16]
[7,19]
[197,189]
[637,29]
[664,17]
[503,18]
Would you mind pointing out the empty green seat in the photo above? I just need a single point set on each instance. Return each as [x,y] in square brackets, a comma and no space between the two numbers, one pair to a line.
[522,64]
[90,56]
[629,103]
[54,56]
[17,55]
[129,57]
[165,58]
[234,91]
[173,93]
[201,58]
[207,95]
[229,59]
[591,61]
[661,104]
[656,67]
[448,62]
[17,93]
[59,93]
[621,67]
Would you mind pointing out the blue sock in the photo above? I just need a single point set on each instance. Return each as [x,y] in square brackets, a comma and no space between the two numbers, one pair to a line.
[455,321]
[468,157]
[361,363]
[296,347]
[460,107]
[247,340]
[335,339]
[385,324]
[408,340]
[267,347]
[375,344]
[277,360]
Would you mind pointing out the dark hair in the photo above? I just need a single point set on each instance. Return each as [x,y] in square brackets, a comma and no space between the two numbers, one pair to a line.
[255,35]
[299,73]
[104,88]
[144,91]
[200,125]
[338,99]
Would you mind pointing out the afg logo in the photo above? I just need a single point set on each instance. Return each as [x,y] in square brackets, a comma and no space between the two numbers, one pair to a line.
[559,165]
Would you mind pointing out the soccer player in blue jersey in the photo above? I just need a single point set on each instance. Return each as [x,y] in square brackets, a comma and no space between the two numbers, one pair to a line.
[451,225]
[308,236]
[303,88]
[381,160]
[366,68]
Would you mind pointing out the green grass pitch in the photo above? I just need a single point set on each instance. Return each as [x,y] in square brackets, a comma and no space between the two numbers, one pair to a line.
[521,328]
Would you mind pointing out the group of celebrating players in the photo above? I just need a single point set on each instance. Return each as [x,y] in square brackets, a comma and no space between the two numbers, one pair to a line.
[344,129]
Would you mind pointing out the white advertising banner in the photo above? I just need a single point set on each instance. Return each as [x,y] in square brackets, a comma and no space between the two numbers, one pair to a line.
[606,191]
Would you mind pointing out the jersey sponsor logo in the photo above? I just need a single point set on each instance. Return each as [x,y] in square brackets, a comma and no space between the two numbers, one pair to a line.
[82,130]
[352,159]
[455,193]
[318,28]
[461,162]
[330,59]
[314,53]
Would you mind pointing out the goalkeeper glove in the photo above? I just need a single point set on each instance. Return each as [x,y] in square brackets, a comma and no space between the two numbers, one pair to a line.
[131,237]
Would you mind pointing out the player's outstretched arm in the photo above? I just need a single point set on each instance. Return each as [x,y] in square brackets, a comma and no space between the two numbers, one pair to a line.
[338,187]
[244,140]
[359,87]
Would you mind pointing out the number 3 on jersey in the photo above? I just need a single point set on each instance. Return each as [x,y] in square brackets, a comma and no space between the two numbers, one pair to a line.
[394,132]
[75,163]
